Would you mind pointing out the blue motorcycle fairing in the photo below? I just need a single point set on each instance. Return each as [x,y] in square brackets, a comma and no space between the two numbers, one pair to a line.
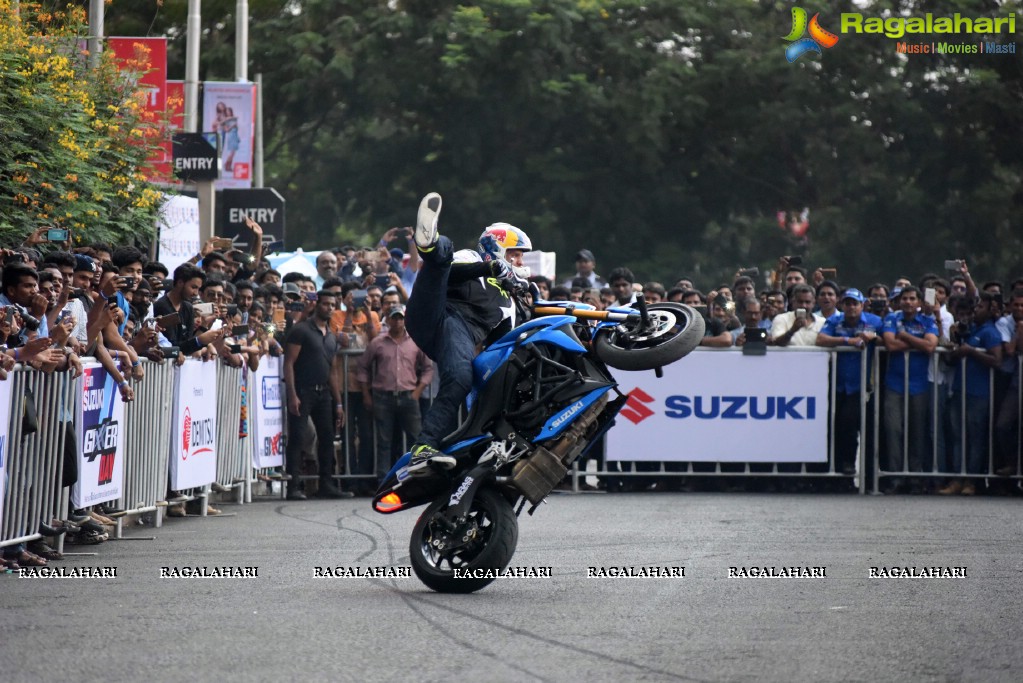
[546,329]
[560,422]
[453,448]
[548,325]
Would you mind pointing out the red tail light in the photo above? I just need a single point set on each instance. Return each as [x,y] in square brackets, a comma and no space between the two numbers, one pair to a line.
[389,503]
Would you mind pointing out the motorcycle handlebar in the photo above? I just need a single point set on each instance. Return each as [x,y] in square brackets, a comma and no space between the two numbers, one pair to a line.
[581,313]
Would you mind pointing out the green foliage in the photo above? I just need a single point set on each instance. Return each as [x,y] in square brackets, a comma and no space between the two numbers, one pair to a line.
[660,134]
[72,138]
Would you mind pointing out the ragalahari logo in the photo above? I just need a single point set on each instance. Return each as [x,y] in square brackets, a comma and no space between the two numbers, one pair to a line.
[818,38]
[634,410]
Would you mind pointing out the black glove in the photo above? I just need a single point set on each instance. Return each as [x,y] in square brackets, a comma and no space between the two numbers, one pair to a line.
[502,270]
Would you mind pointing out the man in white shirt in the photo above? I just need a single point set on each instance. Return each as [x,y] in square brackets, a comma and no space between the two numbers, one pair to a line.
[800,325]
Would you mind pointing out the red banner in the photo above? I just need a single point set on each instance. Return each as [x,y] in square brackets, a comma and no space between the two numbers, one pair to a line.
[144,62]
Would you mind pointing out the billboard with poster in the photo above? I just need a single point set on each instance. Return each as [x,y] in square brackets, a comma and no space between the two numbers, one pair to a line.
[144,61]
[229,111]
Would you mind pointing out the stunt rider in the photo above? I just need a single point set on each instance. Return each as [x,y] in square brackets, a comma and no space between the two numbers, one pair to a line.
[462,301]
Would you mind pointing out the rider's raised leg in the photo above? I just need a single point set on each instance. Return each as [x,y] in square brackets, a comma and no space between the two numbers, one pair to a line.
[425,313]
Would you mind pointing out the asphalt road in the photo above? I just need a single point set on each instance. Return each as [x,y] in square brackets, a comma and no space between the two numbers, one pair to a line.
[286,624]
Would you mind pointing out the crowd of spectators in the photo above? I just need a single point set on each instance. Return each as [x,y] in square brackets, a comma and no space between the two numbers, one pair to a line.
[960,342]
[225,305]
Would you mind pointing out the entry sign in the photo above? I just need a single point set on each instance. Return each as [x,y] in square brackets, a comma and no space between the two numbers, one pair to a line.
[262,204]
[194,158]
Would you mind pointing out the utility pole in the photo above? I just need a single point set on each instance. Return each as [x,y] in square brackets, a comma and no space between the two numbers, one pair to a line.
[204,189]
[241,41]
[94,43]
[257,154]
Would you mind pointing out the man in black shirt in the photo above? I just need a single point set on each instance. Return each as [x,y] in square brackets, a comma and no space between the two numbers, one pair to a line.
[187,281]
[460,301]
[310,355]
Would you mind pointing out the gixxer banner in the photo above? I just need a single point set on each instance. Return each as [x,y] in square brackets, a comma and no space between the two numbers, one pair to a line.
[720,406]
[193,459]
[100,426]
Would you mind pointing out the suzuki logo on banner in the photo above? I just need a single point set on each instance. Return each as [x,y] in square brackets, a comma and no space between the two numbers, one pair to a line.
[634,410]
[742,407]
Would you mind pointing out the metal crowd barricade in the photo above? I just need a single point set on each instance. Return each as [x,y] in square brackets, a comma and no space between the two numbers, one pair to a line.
[147,442]
[234,453]
[349,441]
[940,465]
[35,461]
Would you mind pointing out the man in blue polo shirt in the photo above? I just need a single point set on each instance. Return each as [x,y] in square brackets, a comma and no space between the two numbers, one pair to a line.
[850,327]
[981,348]
[908,336]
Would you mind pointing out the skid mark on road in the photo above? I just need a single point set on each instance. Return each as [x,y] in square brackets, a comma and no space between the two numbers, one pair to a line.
[550,642]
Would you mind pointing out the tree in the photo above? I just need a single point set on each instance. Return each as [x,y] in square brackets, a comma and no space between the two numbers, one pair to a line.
[73,139]
[659,134]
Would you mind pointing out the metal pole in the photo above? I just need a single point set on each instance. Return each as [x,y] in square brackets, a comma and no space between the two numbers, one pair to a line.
[205,189]
[257,161]
[192,66]
[877,418]
[241,42]
[864,396]
[94,42]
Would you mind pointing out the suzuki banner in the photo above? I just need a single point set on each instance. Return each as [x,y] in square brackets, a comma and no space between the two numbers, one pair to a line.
[194,430]
[6,396]
[715,406]
[267,424]
[99,421]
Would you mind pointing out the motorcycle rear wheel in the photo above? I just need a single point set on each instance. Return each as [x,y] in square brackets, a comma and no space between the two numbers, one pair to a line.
[498,535]
[676,330]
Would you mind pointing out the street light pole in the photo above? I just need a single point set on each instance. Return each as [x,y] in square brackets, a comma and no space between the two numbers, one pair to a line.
[241,42]
[94,43]
[204,189]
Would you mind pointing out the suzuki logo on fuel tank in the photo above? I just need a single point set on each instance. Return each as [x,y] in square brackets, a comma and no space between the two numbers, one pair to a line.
[742,407]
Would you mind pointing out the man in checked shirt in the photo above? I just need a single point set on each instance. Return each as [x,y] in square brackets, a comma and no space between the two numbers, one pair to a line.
[394,372]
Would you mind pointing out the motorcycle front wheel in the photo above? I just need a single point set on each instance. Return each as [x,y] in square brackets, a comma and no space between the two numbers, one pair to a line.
[494,533]
[675,330]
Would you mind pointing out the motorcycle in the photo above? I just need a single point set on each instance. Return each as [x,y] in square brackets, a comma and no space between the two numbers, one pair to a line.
[542,395]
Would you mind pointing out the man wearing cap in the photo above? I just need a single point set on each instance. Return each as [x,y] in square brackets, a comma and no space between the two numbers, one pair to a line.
[394,372]
[850,327]
[584,265]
